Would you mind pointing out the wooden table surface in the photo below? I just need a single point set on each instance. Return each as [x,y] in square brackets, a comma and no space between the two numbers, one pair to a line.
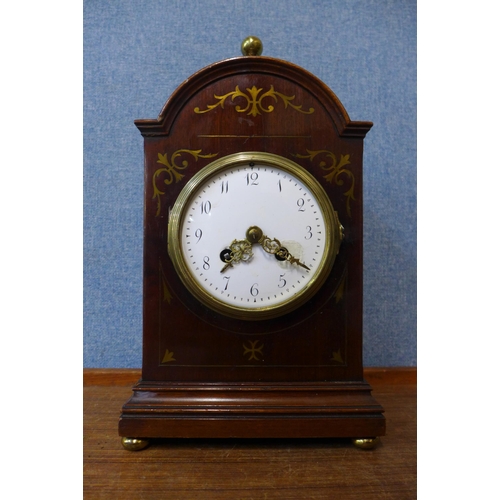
[249,469]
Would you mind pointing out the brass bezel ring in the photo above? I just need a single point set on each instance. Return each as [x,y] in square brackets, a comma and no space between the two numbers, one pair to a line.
[332,243]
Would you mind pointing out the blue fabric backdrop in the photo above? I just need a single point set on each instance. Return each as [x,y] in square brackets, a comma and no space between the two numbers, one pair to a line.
[136,52]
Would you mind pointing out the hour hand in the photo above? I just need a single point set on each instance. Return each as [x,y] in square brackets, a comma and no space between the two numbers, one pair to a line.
[238,251]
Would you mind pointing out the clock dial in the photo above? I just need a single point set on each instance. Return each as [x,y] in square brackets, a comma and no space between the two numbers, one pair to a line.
[253,235]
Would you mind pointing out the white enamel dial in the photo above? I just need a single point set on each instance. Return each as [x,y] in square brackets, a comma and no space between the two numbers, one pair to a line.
[253,235]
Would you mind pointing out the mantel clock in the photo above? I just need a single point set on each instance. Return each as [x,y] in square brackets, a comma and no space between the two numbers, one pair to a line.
[253,275]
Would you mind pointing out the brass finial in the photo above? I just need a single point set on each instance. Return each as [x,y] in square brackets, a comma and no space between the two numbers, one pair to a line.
[251,46]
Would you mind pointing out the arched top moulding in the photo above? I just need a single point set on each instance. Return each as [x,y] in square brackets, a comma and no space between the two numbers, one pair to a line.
[253,65]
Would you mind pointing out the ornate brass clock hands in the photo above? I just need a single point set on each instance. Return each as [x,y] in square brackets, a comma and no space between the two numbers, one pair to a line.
[241,250]
[238,251]
[272,246]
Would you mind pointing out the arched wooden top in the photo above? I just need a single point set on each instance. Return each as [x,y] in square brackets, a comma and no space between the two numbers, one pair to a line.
[247,66]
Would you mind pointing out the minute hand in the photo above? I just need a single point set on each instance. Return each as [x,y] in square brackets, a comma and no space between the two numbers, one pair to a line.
[272,246]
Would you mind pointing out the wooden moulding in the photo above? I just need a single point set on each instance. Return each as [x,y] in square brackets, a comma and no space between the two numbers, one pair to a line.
[330,410]
[167,410]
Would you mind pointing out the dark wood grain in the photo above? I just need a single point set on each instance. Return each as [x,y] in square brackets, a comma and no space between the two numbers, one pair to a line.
[249,469]
[206,344]
[196,379]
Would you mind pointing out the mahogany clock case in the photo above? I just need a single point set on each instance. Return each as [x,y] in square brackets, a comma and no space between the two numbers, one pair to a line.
[208,375]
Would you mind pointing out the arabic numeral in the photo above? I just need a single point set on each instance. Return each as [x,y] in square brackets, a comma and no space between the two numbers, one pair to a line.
[206,207]
[206,263]
[254,291]
[252,179]
[282,281]
[300,204]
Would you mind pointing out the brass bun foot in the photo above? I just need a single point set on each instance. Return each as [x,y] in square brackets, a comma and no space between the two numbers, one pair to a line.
[366,443]
[134,444]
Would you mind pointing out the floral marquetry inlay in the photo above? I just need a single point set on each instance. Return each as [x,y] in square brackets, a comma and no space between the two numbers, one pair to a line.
[166,295]
[338,171]
[253,349]
[254,101]
[170,172]
[168,356]
[337,357]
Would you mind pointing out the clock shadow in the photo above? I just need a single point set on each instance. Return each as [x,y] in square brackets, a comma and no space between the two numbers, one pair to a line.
[249,444]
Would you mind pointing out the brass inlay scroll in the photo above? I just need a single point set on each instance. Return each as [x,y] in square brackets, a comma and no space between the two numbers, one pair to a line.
[166,295]
[339,294]
[337,357]
[253,350]
[170,170]
[168,356]
[337,171]
[254,105]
